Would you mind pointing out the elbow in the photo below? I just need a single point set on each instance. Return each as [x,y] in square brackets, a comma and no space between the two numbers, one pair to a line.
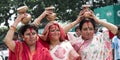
[114,30]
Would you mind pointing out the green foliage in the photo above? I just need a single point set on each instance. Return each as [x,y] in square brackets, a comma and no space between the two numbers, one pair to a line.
[3,31]
[65,9]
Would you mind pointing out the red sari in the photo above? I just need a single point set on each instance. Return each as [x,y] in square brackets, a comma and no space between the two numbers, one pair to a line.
[22,52]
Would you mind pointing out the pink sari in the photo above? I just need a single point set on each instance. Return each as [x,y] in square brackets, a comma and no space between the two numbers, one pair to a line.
[22,52]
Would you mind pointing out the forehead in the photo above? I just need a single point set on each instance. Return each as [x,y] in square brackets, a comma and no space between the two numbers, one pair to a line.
[29,29]
[54,26]
[87,24]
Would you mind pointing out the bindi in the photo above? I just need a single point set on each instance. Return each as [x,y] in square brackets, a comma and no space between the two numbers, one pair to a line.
[87,22]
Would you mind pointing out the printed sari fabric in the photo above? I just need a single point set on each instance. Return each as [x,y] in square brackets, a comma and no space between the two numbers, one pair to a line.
[22,52]
[64,51]
[99,48]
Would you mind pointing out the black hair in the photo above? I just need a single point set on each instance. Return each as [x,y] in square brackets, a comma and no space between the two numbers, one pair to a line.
[87,20]
[76,27]
[25,27]
[118,27]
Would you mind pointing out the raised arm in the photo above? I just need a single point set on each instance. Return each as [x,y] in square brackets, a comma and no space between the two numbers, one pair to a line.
[71,25]
[9,36]
[113,28]
[38,20]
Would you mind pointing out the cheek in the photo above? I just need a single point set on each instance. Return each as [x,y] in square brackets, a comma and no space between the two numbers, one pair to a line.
[92,32]
[50,34]
[26,38]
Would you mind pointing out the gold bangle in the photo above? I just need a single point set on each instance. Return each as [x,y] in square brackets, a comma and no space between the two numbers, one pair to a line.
[13,28]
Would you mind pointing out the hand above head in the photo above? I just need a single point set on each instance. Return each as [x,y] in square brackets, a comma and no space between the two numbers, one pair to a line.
[81,14]
[19,18]
[43,15]
[92,15]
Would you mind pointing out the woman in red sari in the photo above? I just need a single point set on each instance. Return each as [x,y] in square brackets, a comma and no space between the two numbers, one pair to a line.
[32,47]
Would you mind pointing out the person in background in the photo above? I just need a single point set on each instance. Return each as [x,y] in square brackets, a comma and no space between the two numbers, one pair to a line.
[116,45]
[74,35]
[77,31]
[32,47]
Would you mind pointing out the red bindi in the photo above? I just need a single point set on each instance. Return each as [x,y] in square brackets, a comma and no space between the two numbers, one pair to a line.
[87,22]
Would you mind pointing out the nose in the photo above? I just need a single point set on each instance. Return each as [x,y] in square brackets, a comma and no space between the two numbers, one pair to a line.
[31,35]
[88,31]
[55,31]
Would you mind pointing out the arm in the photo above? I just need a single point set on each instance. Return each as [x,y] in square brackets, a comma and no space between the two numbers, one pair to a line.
[9,36]
[71,25]
[113,28]
[38,20]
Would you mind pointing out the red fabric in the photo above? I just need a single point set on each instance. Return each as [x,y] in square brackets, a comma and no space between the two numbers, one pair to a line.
[22,52]
[45,44]
[111,35]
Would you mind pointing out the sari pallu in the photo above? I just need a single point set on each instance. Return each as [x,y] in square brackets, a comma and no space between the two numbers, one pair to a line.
[22,52]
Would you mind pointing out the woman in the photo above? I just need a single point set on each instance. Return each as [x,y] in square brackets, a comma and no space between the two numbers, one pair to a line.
[32,47]
[60,48]
[55,36]
[91,46]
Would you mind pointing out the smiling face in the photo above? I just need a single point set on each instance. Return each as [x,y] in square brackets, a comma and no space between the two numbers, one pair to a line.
[54,33]
[30,36]
[87,31]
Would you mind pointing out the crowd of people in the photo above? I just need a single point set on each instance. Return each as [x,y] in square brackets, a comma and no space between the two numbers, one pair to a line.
[56,43]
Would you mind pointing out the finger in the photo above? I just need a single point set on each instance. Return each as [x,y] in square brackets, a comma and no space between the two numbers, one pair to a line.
[81,13]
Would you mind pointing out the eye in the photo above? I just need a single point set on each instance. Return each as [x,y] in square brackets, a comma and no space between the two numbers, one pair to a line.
[91,28]
[57,30]
[33,33]
[28,34]
[85,29]
[52,30]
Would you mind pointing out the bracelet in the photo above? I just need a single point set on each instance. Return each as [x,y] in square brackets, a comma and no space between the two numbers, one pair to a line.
[13,28]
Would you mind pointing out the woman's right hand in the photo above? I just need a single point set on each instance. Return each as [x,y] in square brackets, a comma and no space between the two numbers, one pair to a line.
[81,14]
[19,19]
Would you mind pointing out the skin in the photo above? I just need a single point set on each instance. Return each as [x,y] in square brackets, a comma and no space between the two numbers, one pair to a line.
[54,33]
[51,16]
[30,37]
[87,31]
[78,32]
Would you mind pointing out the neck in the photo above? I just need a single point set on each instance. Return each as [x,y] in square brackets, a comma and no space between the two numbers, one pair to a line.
[53,43]
[32,48]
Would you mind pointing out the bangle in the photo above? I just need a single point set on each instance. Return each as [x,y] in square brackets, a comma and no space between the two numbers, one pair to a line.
[13,28]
